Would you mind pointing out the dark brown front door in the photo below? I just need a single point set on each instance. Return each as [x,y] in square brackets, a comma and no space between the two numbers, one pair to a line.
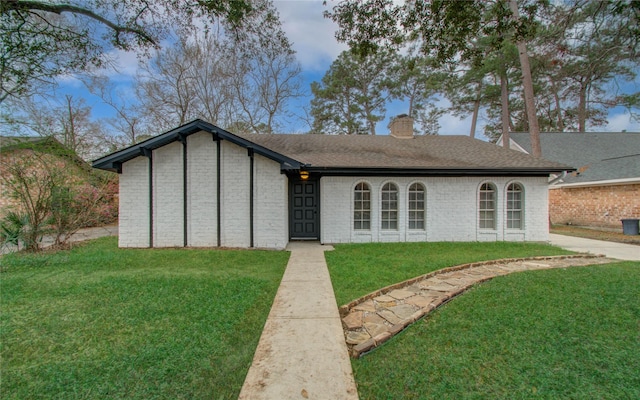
[304,216]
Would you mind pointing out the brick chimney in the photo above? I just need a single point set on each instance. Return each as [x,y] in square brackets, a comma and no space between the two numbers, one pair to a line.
[402,127]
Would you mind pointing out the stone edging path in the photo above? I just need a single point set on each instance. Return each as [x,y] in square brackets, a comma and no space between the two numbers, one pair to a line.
[375,318]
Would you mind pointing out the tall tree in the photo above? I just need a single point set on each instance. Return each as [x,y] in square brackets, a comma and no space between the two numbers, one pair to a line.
[586,53]
[351,97]
[166,87]
[417,80]
[128,123]
[527,83]
[217,79]
[447,30]
[485,83]
[264,80]
[42,39]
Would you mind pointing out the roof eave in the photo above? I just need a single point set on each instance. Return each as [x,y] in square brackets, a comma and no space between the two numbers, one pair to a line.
[451,172]
[113,161]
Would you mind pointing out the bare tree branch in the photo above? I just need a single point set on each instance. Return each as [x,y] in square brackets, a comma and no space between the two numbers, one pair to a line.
[22,5]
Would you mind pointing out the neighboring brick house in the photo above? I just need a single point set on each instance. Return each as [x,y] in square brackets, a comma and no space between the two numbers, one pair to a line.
[604,189]
[199,185]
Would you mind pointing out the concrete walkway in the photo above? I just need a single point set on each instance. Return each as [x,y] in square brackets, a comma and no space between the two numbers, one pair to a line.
[620,251]
[302,353]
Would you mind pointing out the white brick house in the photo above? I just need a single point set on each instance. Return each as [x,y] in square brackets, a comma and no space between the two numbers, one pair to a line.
[201,186]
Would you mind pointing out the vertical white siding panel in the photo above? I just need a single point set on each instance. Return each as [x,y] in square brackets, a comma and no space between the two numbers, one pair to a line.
[202,197]
[235,196]
[133,213]
[270,205]
[168,196]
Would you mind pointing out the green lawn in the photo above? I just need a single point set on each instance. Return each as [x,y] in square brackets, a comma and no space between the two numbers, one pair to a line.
[102,322]
[554,334]
[359,269]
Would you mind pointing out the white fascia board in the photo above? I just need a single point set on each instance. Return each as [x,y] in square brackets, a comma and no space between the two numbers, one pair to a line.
[608,182]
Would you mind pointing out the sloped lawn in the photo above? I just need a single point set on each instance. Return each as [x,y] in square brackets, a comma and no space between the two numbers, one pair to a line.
[102,322]
[554,334]
[564,333]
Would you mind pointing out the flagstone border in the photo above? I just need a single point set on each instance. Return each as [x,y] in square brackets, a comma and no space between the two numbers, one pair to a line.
[358,349]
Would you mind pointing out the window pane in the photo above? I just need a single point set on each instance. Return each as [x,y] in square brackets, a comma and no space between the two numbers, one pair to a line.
[361,206]
[486,207]
[416,206]
[515,198]
[389,206]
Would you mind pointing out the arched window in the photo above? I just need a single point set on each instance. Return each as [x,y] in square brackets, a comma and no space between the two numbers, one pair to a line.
[362,207]
[487,206]
[515,200]
[416,206]
[389,207]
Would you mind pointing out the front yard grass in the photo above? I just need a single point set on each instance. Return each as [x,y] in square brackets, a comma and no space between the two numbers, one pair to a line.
[102,322]
[565,333]
[359,269]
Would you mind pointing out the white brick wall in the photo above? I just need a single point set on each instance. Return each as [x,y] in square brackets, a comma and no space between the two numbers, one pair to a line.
[134,204]
[168,219]
[451,210]
[202,202]
[271,217]
[451,203]
[235,196]
[270,198]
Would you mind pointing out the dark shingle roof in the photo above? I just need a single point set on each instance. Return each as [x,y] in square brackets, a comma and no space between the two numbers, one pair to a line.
[356,155]
[421,152]
[598,156]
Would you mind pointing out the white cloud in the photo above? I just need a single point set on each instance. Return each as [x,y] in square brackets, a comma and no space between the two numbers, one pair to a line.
[69,80]
[127,62]
[621,122]
[312,35]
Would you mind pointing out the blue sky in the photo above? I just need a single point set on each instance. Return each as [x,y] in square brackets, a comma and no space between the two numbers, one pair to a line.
[316,48]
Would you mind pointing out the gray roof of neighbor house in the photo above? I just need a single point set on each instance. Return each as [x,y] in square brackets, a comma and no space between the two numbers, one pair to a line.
[597,156]
[362,155]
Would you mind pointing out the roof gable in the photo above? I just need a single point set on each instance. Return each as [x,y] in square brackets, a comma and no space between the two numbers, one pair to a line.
[113,161]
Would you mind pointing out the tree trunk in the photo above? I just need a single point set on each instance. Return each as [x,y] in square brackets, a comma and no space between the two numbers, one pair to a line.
[504,100]
[560,122]
[527,82]
[476,111]
[582,108]
[70,134]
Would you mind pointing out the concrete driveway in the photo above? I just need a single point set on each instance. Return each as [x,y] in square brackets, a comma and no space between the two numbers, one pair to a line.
[80,236]
[620,251]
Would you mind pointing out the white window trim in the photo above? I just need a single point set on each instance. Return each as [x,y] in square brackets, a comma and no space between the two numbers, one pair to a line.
[495,207]
[522,206]
[424,207]
[397,209]
[353,209]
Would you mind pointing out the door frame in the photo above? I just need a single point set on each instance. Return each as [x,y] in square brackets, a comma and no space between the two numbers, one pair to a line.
[316,182]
